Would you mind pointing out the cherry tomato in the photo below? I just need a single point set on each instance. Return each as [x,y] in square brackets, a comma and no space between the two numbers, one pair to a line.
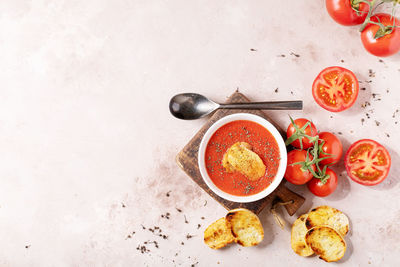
[294,173]
[343,13]
[309,130]
[384,46]
[333,146]
[335,89]
[367,162]
[322,190]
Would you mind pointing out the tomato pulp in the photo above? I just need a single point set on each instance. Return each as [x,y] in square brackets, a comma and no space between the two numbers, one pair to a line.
[263,143]
[367,162]
[335,89]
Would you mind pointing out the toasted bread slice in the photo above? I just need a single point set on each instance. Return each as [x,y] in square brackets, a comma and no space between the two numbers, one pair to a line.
[241,158]
[218,235]
[298,240]
[246,227]
[325,215]
[326,242]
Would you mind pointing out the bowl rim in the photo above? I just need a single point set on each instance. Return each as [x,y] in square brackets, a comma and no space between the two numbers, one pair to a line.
[268,126]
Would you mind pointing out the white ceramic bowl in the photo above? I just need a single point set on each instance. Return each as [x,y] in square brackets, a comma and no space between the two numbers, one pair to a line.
[282,151]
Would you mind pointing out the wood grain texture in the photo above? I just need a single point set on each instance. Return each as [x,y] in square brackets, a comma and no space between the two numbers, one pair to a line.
[187,160]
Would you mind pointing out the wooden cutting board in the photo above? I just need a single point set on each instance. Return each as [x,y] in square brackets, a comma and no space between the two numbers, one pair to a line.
[187,160]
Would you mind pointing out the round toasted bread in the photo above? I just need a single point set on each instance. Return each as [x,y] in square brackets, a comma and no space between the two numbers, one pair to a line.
[298,235]
[246,227]
[325,215]
[218,235]
[326,242]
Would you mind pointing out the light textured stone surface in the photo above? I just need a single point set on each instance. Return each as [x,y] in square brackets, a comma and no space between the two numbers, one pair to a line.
[87,144]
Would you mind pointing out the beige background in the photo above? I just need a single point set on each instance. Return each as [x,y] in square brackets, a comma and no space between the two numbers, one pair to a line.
[87,144]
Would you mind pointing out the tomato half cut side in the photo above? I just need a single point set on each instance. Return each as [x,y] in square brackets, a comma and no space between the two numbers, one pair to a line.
[367,162]
[335,89]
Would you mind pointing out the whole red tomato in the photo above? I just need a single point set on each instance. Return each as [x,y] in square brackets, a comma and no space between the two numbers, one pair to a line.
[297,174]
[322,190]
[310,130]
[386,45]
[332,146]
[343,13]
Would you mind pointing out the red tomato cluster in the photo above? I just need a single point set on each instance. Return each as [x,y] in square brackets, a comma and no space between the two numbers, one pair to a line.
[309,162]
[380,33]
[367,162]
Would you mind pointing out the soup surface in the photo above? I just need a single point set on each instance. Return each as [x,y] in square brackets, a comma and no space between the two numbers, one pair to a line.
[263,143]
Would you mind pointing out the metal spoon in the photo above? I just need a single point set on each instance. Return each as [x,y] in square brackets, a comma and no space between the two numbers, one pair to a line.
[191,106]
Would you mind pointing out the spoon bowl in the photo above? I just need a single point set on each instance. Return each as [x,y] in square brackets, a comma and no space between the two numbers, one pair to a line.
[191,106]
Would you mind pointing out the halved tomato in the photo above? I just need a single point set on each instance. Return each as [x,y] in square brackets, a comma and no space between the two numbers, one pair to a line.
[367,162]
[335,89]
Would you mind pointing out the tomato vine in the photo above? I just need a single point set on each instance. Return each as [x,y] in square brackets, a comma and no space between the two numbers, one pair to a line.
[315,154]
[383,30]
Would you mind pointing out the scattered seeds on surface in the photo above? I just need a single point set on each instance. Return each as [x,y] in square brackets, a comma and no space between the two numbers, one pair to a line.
[166,215]
[143,249]
[371,73]
[394,113]
[188,236]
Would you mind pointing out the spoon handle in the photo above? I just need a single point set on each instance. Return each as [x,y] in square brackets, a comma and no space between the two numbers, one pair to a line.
[271,105]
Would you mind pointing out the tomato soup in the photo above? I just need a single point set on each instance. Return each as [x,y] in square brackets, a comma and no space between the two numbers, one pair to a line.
[263,143]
